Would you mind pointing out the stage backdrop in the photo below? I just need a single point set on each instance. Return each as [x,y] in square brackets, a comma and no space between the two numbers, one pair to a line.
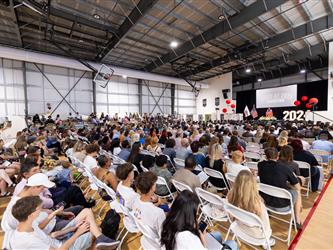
[316,89]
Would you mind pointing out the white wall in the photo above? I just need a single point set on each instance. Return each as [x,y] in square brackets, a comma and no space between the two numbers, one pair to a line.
[215,86]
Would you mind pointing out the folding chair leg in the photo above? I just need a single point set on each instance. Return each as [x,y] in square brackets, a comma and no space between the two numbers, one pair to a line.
[101,209]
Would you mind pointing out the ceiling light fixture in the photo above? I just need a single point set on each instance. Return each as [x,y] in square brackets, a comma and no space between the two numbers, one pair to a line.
[221,17]
[124,76]
[174,44]
[259,80]
[302,71]
[248,70]
[96,16]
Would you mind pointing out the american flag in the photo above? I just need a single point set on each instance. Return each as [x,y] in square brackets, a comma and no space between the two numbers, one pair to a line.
[254,112]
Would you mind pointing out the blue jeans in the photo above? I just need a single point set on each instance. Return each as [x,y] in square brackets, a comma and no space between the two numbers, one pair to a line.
[231,243]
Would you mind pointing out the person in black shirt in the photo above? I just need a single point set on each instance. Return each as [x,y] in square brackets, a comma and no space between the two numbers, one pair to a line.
[272,173]
[302,155]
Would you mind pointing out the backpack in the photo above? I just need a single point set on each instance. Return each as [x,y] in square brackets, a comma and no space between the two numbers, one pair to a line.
[110,224]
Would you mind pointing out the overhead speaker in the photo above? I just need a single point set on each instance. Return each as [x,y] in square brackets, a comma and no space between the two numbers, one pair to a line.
[225,93]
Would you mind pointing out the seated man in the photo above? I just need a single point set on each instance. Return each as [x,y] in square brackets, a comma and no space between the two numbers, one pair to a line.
[274,174]
[186,176]
[125,193]
[161,169]
[199,157]
[144,208]
[323,144]
[25,236]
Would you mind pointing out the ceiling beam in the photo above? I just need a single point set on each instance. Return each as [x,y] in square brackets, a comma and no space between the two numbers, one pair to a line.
[254,10]
[139,10]
[242,52]
[15,19]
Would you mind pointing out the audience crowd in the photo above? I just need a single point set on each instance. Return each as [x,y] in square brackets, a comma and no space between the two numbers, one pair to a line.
[50,209]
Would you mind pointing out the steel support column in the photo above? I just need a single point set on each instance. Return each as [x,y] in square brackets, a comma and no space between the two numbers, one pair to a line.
[173,91]
[140,96]
[25,87]
[94,93]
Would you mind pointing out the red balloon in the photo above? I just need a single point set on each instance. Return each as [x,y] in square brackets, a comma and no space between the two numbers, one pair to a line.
[228,102]
[308,106]
[233,106]
[297,103]
[313,100]
[304,98]
[224,110]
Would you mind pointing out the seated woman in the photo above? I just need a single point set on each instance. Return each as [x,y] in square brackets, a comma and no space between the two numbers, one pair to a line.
[286,158]
[135,156]
[234,145]
[301,155]
[79,150]
[153,147]
[103,173]
[235,166]
[215,160]
[180,229]
[245,195]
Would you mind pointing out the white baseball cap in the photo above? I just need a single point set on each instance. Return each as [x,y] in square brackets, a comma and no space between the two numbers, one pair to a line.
[39,179]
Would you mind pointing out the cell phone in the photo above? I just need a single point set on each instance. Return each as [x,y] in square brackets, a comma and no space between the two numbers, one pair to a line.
[59,205]
[202,226]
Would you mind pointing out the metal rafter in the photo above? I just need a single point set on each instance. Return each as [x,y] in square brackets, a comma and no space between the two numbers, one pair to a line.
[298,32]
[15,19]
[139,10]
[217,30]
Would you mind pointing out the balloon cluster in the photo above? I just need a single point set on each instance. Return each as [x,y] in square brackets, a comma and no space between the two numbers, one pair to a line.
[312,102]
[232,105]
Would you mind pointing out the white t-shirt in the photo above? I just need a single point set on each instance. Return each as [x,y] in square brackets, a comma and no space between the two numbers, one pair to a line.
[9,223]
[150,215]
[90,162]
[33,240]
[234,168]
[187,240]
[127,194]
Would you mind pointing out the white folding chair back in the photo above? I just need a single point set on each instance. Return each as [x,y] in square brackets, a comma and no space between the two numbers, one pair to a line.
[180,163]
[230,178]
[216,174]
[283,194]
[252,165]
[149,239]
[253,149]
[180,186]
[198,168]
[211,205]
[319,159]
[161,181]
[144,169]
[305,165]
[170,161]
[237,217]
[319,152]
[252,155]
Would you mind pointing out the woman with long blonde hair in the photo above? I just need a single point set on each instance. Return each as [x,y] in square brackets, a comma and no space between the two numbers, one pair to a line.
[215,156]
[245,195]
[153,147]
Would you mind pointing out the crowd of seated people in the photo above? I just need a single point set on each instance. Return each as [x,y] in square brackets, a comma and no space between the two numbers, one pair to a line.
[48,208]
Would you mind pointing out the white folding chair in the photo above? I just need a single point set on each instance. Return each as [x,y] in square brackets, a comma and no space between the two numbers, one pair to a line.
[180,186]
[305,165]
[144,169]
[211,206]
[218,175]
[180,163]
[170,161]
[282,194]
[319,152]
[128,221]
[110,193]
[252,165]
[149,239]
[198,167]
[161,181]
[252,155]
[238,218]
[230,178]
[254,149]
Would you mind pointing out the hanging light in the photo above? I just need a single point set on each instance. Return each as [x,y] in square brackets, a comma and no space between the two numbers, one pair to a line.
[302,71]
[248,70]
[124,76]
[259,80]
[174,44]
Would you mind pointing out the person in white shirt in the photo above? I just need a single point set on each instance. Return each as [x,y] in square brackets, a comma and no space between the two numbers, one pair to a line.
[180,229]
[25,236]
[234,167]
[145,208]
[92,151]
[125,193]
